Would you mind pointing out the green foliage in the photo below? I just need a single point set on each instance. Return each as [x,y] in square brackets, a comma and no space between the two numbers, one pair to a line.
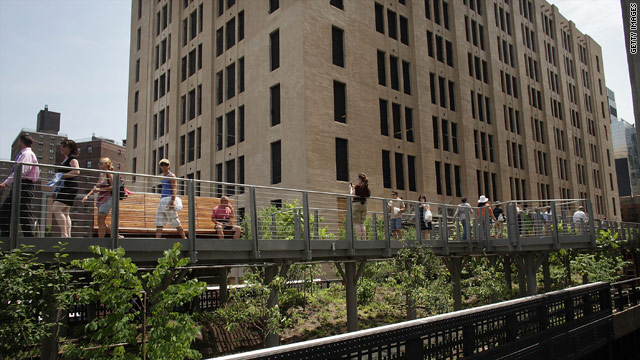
[247,305]
[115,282]
[29,288]
[482,283]
[278,223]
[605,263]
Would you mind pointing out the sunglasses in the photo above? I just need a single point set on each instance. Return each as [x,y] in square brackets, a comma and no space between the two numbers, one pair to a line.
[163,164]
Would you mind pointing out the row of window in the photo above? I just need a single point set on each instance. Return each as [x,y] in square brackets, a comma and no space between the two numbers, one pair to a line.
[503,19]
[191,63]
[529,37]
[526,9]
[160,125]
[538,130]
[554,80]
[518,188]
[472,5]
[578,146]
[392,24]
[488,182]
[515,155]
[162,54]
[394,72]
[485,147]
[396,113]
[560,140]
[398,163]
[531,68]
[547,25]
[163,17]
[483,105]
[440,12]
[231,81]
[550,53]
[190,146]
[191,105]
[511,84]
[161,86]
[505,53]
[556,108]
[446,168]
[225,43]
[441,92]
[535,97]
[478,67]
[440,50]
[544,191]
[190,32]
[541,162]
[447,128]
[511,119]
[231,136]
[230,177]
[476,31]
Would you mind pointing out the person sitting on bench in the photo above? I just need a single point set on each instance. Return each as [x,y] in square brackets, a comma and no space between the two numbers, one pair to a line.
[222,217]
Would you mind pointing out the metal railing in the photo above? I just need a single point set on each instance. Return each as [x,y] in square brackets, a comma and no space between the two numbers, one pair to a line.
[572,322]
[625,294]
[285,223]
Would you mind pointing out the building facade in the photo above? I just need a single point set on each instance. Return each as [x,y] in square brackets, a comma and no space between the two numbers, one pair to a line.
[501,98]
[627,155]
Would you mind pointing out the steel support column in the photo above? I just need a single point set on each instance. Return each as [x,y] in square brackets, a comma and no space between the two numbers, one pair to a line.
[223,283]
[270,273]
[350,281]
[454,264]
[115,209]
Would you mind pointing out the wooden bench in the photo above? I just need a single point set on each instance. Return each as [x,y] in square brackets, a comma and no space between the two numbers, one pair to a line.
[138,214]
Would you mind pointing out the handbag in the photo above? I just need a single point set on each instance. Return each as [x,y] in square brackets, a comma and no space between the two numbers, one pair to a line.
[428,216]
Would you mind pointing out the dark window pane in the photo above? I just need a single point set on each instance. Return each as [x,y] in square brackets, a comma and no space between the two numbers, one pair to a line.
[274,40]
[337,36]
[342,159]
[275,105]
[340,102]
[276,165]
[397,121]
[386,169]
[384,118]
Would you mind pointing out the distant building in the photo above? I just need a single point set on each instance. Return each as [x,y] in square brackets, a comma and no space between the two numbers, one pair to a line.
[613,108]
[633,59]
[627,157]
[46,138]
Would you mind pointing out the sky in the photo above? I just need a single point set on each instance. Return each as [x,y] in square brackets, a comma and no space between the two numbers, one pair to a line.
[73,55]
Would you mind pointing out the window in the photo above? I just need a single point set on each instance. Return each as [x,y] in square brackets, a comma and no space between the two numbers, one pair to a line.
[231,128]
[199,56]
[337,3]
[219,177]
[231,33]
[404,30]
[192,104]
[337,36]
[220,12]
[275,105]
[89,164]
[199,100]
[276,165]
[193,18]
[240,25]
[219,37]
[445,135]
[183,110]
[192,62]
[191,146]
[89,149]
[231,81]
[406,77]
[379,18]
[137,70]
[219,95]
[399,171]
[135,136]
[185,27]
[384,121]
[273,5]
[386,169]
[382,75]
[447,178]
[182,149]
[436,133]
[230,173]
[184,68]
[135,101]
[219,133]
[241,124]
[408,120]
[393,65]
[438,178]
[397,121]
[392,22]
[411,164]
[240,75]
[339,101]
[274,41]
[342,159]
[138,39]
[161,122]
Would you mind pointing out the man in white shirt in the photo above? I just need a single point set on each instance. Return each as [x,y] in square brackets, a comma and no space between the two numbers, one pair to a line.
[29,176]
[463,215]
[580,219]
[396,207]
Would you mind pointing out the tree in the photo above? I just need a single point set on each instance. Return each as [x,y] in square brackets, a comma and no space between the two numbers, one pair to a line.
[29,288]
[116,282]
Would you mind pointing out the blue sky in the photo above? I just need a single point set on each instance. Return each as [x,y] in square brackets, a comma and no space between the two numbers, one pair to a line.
[74,56]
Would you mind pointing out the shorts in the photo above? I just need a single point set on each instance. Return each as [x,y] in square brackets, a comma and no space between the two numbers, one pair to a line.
[426,226]
[164,214]
[395,224]
[105,207]
[359,212]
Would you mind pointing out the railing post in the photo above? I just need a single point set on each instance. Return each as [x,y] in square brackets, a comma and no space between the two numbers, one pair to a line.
[307,228]
[253,208]
[387,233]
[374,226]
[15,206]
[512,226]
[444,230]
[592,231]
[316,223]
[417,223]
[297,225]
[191,195]
[43,214]
[115,209]
[554,219]
[349,227]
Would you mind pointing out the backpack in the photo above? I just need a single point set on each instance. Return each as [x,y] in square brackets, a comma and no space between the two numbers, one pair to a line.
[501,217]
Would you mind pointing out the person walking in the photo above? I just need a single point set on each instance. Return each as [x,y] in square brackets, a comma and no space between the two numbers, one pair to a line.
[396,207]
[29,176]
[104,198]
[580,219]
[362,193]
[426,216]
[222,217]
[463,215]
[169,204]
[68,189]
[501,218]
[484,216]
